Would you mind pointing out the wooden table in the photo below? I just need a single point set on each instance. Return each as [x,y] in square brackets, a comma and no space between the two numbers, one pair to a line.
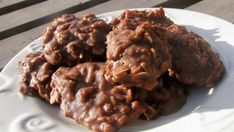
[22,21]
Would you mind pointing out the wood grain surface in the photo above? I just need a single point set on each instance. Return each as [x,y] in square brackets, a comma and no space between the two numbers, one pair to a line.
[220,8]
[5,3]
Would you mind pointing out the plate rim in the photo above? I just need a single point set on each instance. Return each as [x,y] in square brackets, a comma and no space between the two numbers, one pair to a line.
[26,48]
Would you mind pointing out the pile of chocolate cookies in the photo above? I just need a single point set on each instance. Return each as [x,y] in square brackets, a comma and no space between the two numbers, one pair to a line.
[104,75]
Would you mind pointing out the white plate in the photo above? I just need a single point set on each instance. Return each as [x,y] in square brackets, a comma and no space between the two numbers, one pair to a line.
[205,111]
